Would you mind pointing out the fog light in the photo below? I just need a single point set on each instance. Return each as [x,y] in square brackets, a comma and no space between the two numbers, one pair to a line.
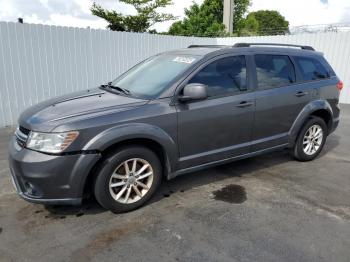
[30,189]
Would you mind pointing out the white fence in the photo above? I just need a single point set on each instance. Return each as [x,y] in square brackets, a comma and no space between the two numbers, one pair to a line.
[38,62]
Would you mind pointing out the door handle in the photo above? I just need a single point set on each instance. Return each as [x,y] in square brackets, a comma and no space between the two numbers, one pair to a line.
[301,93]
[245,104]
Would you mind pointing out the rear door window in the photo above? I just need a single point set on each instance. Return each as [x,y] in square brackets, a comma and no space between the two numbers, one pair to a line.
[274,71]
[312,69]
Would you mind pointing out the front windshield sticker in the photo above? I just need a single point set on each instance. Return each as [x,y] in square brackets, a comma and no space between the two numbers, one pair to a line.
[182,59]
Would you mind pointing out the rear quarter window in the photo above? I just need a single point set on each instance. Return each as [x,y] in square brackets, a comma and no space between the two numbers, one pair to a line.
[313,68]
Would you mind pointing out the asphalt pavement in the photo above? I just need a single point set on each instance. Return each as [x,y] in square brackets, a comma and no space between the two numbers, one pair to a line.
[266,208]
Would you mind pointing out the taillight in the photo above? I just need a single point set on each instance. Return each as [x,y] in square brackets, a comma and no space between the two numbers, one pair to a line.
[340,85]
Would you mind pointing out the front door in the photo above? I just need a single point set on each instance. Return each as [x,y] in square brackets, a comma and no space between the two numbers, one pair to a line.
[219,127]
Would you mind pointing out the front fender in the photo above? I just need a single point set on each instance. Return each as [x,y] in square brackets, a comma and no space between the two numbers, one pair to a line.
[304,114]
[124,132]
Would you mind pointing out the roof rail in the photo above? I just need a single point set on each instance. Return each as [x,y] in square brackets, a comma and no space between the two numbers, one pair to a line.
[208,46]
[305,47]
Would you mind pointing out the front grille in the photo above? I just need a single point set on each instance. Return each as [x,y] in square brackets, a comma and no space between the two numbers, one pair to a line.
[24,130]
[21,136]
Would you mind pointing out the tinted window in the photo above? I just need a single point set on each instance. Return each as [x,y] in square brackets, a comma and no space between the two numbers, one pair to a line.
[311,68]
[326,65]
[224,76]
[274,70]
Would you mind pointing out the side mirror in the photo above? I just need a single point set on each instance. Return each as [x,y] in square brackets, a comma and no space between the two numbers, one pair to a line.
[194,91]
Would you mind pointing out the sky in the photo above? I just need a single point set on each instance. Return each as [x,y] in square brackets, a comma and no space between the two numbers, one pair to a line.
[76,13]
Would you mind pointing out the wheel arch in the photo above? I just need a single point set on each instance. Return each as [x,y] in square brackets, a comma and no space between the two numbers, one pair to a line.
[319,108]
[145,135]
[325,115]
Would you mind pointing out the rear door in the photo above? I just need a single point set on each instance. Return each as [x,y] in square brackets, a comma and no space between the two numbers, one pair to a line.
[279,99]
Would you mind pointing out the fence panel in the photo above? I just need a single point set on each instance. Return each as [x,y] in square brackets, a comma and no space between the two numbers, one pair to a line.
[38,62]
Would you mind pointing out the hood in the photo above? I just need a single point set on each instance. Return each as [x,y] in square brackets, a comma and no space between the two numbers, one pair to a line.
[48,114]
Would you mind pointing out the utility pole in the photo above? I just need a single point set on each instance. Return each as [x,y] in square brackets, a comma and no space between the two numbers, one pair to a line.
[228,15]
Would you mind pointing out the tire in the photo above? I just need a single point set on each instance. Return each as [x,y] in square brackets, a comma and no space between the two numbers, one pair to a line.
[113,177]
[311,139]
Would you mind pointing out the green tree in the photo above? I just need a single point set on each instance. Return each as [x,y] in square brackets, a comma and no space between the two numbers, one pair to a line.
[240,9]
[206,19]
[147,15]
[269,22]
[250,27]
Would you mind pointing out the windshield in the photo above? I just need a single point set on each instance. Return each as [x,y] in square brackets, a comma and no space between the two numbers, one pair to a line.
[149,78]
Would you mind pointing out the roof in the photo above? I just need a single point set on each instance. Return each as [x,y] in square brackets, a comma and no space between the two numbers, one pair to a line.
[200,51]
[203,50]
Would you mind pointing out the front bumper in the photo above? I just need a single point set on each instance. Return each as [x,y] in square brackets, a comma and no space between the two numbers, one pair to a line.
[49,179]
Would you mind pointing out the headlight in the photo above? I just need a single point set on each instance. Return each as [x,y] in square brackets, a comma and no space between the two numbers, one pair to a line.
[50,142]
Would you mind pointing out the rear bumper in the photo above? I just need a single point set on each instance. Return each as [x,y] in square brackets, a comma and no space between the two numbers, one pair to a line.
[334,125]
[49,179]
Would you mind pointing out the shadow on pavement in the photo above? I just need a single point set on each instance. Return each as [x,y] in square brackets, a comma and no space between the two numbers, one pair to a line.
[187,182]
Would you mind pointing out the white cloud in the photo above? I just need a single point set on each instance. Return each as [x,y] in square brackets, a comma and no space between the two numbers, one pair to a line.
[69,20]
[77,12]
[66,20]
[34,19]
[307,12]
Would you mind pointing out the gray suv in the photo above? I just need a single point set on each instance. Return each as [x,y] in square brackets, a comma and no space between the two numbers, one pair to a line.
[174,113]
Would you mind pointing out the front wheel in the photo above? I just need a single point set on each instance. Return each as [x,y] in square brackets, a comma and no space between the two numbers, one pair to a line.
[311,139]
[127,179]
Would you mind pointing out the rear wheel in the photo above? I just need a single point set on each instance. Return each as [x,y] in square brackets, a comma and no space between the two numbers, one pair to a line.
[311,139]
[127,179]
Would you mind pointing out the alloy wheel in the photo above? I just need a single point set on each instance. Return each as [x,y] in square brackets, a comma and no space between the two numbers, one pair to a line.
[312,140]
[131,181]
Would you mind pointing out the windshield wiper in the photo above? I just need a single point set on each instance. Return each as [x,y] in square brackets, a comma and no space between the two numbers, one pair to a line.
[120,89]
